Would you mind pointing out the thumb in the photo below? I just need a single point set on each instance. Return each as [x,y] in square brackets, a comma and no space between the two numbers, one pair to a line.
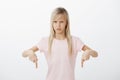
[82,61]
[36,64]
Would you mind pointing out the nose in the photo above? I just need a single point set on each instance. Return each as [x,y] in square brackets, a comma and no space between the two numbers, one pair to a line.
[58,24]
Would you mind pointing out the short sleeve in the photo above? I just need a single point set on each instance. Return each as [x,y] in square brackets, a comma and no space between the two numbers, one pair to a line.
[40,45]
[79,45]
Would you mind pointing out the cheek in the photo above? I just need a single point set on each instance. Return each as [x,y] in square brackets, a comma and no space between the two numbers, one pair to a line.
[54,27]
[63,26]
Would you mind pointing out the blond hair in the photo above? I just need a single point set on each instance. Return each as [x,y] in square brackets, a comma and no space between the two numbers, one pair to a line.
[62,11]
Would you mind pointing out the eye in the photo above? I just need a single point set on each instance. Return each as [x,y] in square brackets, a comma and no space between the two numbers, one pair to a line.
[54,21]
[61,21]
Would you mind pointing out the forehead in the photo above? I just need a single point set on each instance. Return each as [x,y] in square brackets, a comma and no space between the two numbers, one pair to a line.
[59,17]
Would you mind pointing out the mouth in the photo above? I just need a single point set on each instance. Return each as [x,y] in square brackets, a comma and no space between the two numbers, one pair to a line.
[58,29]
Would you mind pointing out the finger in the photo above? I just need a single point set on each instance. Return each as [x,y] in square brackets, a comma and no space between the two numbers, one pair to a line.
[82,61]
[34,61]
[82,64]
[36,64]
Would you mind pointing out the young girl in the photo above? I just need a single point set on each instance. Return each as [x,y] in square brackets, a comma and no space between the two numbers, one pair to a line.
[60,48]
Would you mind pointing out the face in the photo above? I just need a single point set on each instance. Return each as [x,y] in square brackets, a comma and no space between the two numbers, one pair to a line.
[59,24]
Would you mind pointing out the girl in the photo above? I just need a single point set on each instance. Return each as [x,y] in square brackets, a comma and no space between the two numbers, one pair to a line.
[60,48]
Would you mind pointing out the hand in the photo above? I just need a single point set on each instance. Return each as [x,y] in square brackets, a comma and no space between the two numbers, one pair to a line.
[26,53]
[34,59]
[85,56]
[31,55]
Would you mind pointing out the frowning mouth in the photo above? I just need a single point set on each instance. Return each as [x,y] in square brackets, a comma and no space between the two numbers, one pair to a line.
[58,29]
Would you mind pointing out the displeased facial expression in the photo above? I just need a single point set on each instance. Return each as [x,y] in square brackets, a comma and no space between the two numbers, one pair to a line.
[59,24]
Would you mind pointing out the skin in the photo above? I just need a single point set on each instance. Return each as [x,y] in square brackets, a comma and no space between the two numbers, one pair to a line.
[59,25]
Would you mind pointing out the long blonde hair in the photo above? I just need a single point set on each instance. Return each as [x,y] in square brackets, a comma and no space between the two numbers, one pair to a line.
[62,11]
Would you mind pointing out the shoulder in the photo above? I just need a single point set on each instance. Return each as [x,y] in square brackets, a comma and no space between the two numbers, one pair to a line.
[45,38]
[75,38]
[77,43]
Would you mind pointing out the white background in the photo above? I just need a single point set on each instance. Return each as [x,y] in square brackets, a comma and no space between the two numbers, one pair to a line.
[24,22]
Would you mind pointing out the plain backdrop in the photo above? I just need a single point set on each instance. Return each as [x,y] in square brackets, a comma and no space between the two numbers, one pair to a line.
[24,22]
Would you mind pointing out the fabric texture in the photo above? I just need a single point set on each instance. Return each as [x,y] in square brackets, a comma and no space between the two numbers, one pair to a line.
[60,64]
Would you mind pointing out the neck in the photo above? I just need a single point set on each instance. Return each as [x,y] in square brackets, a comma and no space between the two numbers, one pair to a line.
[60,36]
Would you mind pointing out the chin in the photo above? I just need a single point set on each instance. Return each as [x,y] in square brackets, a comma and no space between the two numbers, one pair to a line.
[58,32]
